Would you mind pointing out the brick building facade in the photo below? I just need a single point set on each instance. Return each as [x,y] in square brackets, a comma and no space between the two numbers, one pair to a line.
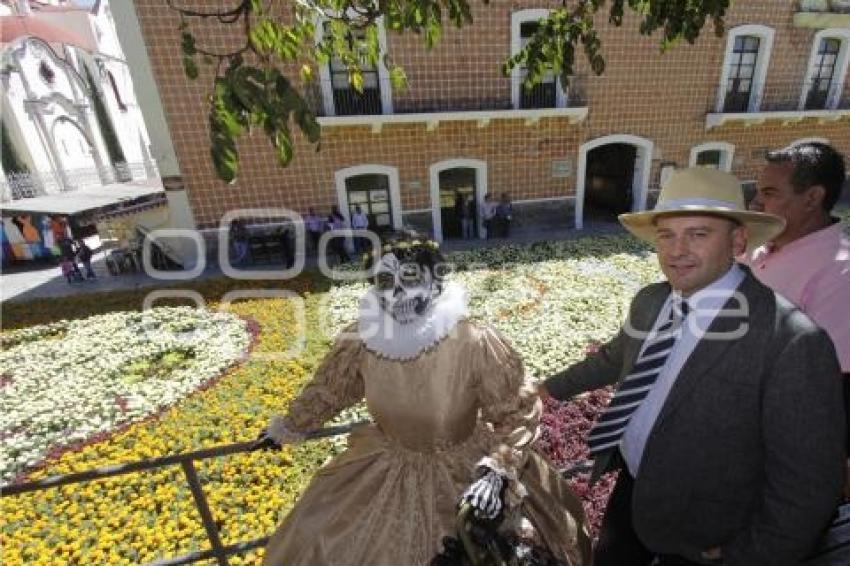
[774,77]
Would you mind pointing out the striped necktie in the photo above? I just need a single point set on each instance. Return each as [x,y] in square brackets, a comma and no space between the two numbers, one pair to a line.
[636,386]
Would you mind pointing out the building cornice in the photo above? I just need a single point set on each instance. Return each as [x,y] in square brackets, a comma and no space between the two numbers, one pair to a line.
[785,117]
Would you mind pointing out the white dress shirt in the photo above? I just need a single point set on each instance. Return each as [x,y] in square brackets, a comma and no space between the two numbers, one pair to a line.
[703,307]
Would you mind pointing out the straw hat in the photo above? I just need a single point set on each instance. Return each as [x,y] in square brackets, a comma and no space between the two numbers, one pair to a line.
[703,190]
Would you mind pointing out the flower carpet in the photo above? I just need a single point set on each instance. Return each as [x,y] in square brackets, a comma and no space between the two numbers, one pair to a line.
[92,381]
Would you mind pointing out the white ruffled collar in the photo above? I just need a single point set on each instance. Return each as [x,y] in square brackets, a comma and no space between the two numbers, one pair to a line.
[384,336]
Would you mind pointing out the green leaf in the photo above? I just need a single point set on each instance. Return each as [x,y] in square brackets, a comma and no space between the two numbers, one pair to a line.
[398,78]
[190,67]
[356,80]
[224,155]
[306,73]
[187,44]
[283,145]
[306,120]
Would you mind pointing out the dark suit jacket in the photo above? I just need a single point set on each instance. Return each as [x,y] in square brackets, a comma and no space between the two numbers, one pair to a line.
[747,452]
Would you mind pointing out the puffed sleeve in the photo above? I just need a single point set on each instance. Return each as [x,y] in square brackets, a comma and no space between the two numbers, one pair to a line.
[336,385]
[509,405]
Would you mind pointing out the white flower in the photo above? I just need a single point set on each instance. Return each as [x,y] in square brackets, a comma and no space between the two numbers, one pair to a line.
[69,380]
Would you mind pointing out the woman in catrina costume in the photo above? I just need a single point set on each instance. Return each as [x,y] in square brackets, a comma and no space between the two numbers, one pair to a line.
[454,421]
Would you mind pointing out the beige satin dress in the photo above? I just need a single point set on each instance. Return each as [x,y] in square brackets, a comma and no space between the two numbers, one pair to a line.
[392,496]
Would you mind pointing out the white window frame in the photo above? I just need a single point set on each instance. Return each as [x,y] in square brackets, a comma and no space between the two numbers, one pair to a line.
[391,172]
[765,34]
[727,153]
[383,73]
[517,19]
[841,64]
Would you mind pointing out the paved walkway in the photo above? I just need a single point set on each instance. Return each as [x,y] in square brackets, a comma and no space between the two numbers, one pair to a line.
[38,282]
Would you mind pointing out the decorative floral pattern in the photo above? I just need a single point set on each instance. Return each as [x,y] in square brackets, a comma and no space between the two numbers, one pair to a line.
[71,380]
[550,299]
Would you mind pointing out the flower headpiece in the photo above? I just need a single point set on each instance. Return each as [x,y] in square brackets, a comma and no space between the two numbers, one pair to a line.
[408,247]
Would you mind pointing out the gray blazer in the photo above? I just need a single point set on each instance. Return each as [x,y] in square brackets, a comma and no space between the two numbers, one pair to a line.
[747,452]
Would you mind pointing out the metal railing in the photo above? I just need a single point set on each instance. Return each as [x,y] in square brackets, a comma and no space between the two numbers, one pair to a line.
[349,102]
[186,461]
[440,94]
[15,186]
[822,95]
[824,6]
[782,96]
[541,95]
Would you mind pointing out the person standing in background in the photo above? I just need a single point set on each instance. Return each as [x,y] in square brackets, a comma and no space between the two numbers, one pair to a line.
[504,215]
[489,215]
[84,254]
[336,221]
[809,262]
[468,220]
[359,221]
[313,223]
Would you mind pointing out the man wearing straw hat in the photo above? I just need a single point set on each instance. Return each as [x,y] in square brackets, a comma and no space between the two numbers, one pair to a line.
[727,424]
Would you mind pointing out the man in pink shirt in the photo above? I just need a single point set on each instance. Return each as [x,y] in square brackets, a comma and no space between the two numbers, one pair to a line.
[809,262]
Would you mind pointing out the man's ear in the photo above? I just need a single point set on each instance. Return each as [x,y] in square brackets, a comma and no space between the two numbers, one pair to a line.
[814,197]
[740,235]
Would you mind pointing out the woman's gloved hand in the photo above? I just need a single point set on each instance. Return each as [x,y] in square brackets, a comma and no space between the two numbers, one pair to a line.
[487,494]
[265,442]
[276,435]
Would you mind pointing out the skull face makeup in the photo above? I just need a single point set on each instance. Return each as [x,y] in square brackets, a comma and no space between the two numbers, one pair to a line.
[405,289]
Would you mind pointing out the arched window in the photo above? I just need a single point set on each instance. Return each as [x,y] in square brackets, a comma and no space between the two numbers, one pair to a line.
[546,94]
[340,98]
[46,73]
[827,70]
[745,66]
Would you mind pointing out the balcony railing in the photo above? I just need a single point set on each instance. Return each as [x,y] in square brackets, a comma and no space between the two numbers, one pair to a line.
[819,6]
[462,94]
[786,101]
[785,96]
[822,14]
[15,186]
[541,95]
[822,95]
[349,102]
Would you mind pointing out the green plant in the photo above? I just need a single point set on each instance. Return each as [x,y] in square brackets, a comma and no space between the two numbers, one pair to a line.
[110,138]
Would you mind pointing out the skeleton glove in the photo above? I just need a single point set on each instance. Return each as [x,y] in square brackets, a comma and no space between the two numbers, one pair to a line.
[487,494]
[276,435]
[265,442]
